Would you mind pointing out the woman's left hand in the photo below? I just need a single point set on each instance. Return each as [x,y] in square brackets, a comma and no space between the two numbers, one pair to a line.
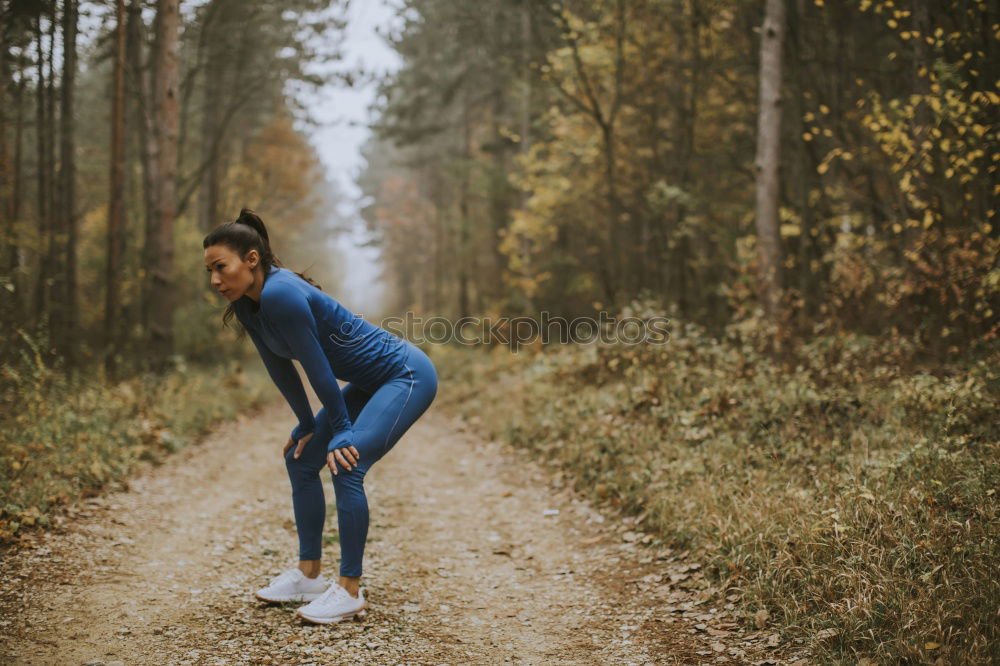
[345,455]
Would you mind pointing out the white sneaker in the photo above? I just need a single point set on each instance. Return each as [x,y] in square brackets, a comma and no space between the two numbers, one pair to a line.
[334,605]
[292,585]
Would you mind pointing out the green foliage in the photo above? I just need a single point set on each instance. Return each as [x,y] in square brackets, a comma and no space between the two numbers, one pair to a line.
[841,487]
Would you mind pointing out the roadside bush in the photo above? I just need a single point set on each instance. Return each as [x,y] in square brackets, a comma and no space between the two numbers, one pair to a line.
[63,439]
[852,497]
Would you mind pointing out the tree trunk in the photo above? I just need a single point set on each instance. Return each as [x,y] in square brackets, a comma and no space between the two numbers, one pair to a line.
[160,245]
[139,86]
[8,299]
[208,199]
[42,189]
[148,84]
[8,221]
[805,170]
[69,319]
[463,212]
[116,197]
[769,155]
[527,40]
[54,221]
[17,189]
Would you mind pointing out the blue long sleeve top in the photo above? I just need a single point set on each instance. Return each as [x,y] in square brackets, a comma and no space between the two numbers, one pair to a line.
[295,320]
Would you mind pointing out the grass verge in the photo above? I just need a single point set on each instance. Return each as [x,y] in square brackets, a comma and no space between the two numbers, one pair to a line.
[852,499]
[62,440]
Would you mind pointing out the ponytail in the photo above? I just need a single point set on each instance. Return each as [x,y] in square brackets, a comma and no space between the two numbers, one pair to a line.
[247,232]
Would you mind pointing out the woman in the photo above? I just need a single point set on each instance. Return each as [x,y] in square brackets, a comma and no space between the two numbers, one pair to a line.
[392,382]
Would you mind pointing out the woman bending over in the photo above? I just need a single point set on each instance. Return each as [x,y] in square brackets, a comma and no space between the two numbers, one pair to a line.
[391,383]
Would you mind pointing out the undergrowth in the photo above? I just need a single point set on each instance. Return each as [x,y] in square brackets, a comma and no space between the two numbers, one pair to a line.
[851,495]
[65,439]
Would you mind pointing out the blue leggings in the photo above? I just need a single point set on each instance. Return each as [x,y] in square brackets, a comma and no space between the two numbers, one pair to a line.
[379,419]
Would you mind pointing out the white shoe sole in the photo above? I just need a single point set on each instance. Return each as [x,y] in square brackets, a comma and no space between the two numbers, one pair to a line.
[358,614]
[305,596]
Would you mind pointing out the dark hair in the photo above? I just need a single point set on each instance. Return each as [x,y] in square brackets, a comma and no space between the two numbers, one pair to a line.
[247,232]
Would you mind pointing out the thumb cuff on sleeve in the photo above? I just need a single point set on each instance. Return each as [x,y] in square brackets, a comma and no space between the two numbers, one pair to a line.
[341,439]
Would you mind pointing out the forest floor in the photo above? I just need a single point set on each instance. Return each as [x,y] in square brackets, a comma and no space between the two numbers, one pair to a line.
[475,555]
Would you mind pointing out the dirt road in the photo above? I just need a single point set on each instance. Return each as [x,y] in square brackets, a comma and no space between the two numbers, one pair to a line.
[475,555]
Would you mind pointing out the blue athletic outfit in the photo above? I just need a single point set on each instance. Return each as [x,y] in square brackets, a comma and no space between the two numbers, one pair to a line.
[391,383]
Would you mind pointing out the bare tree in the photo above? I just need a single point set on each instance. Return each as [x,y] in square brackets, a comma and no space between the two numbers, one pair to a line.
[67,306]
[769,154]
[116,197]
[160,244]
[43,136]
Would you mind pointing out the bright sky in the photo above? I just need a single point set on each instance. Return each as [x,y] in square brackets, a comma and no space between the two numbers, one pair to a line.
[342,114]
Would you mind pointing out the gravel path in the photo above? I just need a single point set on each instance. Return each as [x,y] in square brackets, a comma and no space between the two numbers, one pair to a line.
[475,555]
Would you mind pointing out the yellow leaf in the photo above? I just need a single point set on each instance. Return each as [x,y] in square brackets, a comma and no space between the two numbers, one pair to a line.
[931,645]
[787,230]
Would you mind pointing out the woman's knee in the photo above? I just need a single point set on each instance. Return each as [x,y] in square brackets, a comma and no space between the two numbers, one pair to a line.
[300,470]
[349,490]
[348,484]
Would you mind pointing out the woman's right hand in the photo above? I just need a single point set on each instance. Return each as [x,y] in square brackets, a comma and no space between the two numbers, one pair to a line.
[298,449]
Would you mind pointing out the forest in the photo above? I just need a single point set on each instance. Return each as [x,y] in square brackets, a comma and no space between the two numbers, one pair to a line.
[805,189]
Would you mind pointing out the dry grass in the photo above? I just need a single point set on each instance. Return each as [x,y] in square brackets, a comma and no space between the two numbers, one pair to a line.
[853,499]
[65,439]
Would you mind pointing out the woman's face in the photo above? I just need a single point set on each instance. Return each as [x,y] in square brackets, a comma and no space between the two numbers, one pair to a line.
[231,276]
